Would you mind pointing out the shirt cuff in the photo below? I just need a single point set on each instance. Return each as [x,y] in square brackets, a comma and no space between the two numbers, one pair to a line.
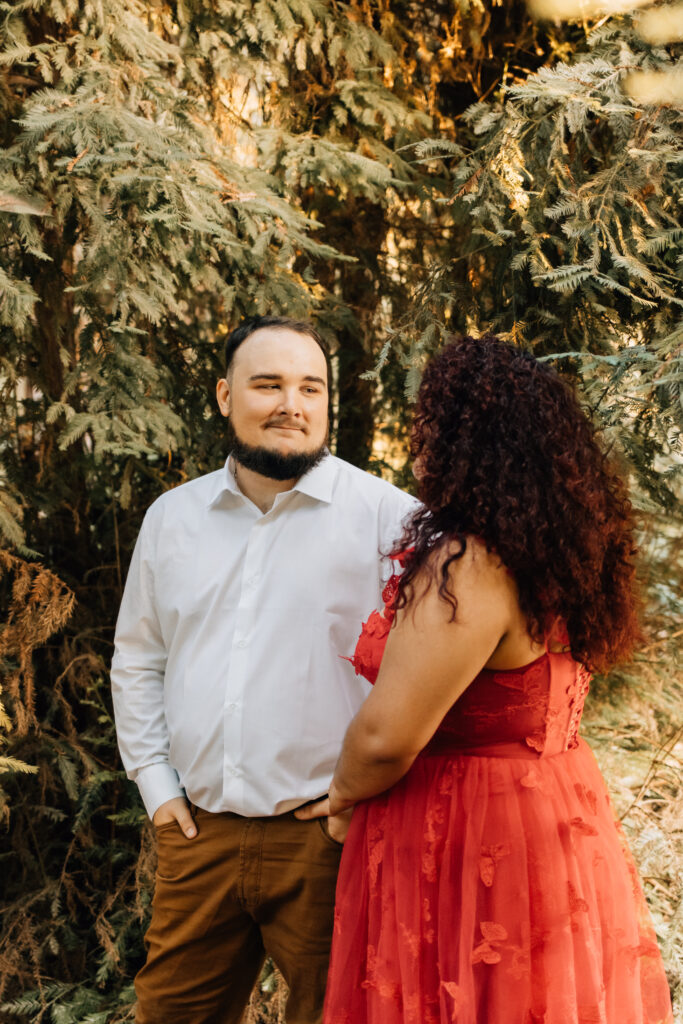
[157,784]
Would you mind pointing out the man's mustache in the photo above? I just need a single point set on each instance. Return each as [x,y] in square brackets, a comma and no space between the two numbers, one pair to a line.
[282,421]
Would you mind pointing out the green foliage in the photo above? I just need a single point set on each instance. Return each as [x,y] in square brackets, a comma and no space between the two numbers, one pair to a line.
[565,202]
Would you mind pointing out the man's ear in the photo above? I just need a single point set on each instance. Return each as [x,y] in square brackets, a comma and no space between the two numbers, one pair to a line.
[223,396]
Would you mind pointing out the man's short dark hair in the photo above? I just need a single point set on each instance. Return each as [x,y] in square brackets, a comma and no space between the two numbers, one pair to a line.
[255,323]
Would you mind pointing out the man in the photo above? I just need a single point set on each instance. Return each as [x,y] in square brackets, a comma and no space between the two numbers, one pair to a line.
[246,590]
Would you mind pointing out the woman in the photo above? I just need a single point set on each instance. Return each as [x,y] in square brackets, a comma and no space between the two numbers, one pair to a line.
[490,884]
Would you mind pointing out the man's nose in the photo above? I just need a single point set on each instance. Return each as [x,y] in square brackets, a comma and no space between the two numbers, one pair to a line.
[289,403]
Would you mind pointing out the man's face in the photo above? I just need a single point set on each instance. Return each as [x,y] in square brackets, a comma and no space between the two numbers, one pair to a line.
[276,392]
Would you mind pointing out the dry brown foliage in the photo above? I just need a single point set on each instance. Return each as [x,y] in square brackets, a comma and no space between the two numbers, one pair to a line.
[38,605]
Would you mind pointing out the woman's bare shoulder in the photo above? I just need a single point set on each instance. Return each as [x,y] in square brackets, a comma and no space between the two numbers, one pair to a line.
[463,574]
[469,559]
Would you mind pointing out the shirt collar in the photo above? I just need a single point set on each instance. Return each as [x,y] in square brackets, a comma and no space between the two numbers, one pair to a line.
[318,483]
[224,483]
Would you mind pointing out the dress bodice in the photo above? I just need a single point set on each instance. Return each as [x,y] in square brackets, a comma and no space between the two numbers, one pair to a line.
[531,711]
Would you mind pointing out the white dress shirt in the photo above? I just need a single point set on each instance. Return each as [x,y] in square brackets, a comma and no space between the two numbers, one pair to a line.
[228,675]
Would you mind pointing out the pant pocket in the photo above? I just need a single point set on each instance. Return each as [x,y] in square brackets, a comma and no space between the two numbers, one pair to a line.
[176,854]
[167,825]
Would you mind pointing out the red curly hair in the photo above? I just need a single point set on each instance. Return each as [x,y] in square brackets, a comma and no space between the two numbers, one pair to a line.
[507,455]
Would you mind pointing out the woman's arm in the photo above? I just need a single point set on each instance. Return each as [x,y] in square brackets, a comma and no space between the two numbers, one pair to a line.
[428,662]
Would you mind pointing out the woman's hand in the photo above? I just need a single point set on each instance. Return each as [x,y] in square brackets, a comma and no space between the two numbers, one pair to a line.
[337,824]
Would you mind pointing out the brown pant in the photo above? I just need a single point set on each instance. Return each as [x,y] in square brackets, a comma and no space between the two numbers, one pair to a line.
[241,889]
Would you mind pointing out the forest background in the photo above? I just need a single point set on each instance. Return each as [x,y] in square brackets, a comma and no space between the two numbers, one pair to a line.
[394,170]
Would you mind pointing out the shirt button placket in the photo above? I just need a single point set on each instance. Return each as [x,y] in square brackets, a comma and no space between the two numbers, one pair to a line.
[245,624]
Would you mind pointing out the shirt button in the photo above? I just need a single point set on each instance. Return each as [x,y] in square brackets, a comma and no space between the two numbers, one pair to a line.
[232,706]
[234,771]
[241,643]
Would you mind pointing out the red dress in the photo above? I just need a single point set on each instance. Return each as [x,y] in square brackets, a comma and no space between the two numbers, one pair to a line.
[491,884]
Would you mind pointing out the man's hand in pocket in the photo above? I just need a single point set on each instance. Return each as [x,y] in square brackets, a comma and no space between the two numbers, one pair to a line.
[178,810]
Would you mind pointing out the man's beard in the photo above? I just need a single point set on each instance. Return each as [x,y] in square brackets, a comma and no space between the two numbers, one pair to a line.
[273,464]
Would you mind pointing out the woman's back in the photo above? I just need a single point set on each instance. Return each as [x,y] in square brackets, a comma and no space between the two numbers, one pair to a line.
[525,712]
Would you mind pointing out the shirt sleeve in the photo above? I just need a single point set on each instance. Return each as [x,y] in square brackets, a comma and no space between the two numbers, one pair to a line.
[397,509]
[137,679]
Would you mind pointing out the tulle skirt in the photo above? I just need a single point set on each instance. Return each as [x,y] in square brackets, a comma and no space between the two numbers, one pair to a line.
[493,890]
